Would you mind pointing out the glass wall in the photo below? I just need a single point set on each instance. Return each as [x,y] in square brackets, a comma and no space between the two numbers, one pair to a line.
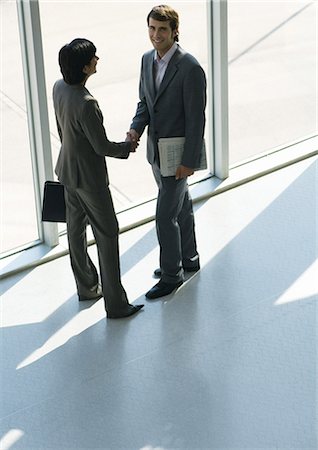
[18,214]
[272,87]
[272,75]
[119,31]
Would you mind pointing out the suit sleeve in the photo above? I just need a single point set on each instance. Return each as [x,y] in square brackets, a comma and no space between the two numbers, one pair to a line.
[194,97]
[141,119]
[59,128]
[92,126]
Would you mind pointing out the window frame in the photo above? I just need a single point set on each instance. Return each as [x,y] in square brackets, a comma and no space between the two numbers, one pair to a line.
[37,110]
[38,121]
[221,177]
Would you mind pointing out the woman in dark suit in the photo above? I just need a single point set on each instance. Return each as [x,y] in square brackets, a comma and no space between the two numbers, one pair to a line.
[81,168]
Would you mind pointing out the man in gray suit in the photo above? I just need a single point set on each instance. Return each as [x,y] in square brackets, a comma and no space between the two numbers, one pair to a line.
[172,104]
[81,168]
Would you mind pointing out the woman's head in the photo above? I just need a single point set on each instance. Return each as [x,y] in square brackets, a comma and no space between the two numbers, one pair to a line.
[75,60]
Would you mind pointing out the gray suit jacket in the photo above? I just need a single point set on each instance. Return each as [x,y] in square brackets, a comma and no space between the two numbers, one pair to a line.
[177,109]
[81,162]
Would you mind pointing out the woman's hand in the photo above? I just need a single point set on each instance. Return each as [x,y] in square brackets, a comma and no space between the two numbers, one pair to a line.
[133,137]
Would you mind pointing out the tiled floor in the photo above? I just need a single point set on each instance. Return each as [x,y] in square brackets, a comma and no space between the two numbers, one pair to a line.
[228,362]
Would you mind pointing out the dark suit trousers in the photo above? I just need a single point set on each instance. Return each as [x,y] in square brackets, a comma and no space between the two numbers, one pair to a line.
[175,226]
[96,208]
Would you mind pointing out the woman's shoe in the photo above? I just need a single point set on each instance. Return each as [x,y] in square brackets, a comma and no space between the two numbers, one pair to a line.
[96,294]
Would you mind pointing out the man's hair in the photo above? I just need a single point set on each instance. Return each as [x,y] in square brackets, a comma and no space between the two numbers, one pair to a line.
[165,13]
[73,57]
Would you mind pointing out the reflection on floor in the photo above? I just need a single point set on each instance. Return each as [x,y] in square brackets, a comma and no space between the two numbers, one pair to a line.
[228,362]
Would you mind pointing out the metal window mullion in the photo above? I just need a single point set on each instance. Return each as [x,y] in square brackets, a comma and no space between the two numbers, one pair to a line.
[38,121]
[210,99]
[218,49]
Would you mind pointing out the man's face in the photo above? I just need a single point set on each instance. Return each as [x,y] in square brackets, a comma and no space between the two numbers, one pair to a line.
[161,35]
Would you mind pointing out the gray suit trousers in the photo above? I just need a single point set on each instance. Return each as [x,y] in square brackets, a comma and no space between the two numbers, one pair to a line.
[96,208]
[175,226]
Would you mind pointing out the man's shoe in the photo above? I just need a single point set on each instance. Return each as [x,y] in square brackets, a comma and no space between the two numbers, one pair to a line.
[158,273]
[161,289]
[129,311]
[95,295]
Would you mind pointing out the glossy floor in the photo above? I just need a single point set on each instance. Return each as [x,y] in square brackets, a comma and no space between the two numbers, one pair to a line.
[227,362]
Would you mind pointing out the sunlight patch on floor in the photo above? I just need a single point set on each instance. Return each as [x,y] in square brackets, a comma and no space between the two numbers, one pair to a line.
[305,287]
[81,322]
[10,438]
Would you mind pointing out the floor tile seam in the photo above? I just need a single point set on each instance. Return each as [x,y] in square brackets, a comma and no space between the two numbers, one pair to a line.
[82,382]
[143,356]
[45,400]
[274,296]
[245,327]
[25,408]
[78,385]
[73,388]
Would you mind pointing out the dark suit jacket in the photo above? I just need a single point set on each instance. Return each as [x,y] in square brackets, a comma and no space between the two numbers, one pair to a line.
[177,109]
[81,162]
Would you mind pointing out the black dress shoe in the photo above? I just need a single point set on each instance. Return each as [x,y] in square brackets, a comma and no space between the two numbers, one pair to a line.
[161,289]
[157,273]
[128,311]
[94,295]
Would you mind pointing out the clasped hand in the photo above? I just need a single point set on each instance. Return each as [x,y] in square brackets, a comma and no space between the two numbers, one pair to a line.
[133,137]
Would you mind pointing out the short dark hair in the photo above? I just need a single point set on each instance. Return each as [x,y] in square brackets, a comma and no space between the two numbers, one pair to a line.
[165,13]
[73,57]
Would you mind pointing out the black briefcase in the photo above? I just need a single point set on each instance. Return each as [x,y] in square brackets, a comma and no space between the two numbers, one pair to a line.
[53,209]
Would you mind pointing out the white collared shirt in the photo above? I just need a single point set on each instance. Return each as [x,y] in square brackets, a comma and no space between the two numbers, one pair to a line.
[161,64]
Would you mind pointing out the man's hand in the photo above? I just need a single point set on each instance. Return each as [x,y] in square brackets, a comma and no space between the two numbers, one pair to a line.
[183,172]
[133,134]
[133,137]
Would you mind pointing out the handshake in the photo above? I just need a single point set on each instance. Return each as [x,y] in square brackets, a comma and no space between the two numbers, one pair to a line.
[133,137]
